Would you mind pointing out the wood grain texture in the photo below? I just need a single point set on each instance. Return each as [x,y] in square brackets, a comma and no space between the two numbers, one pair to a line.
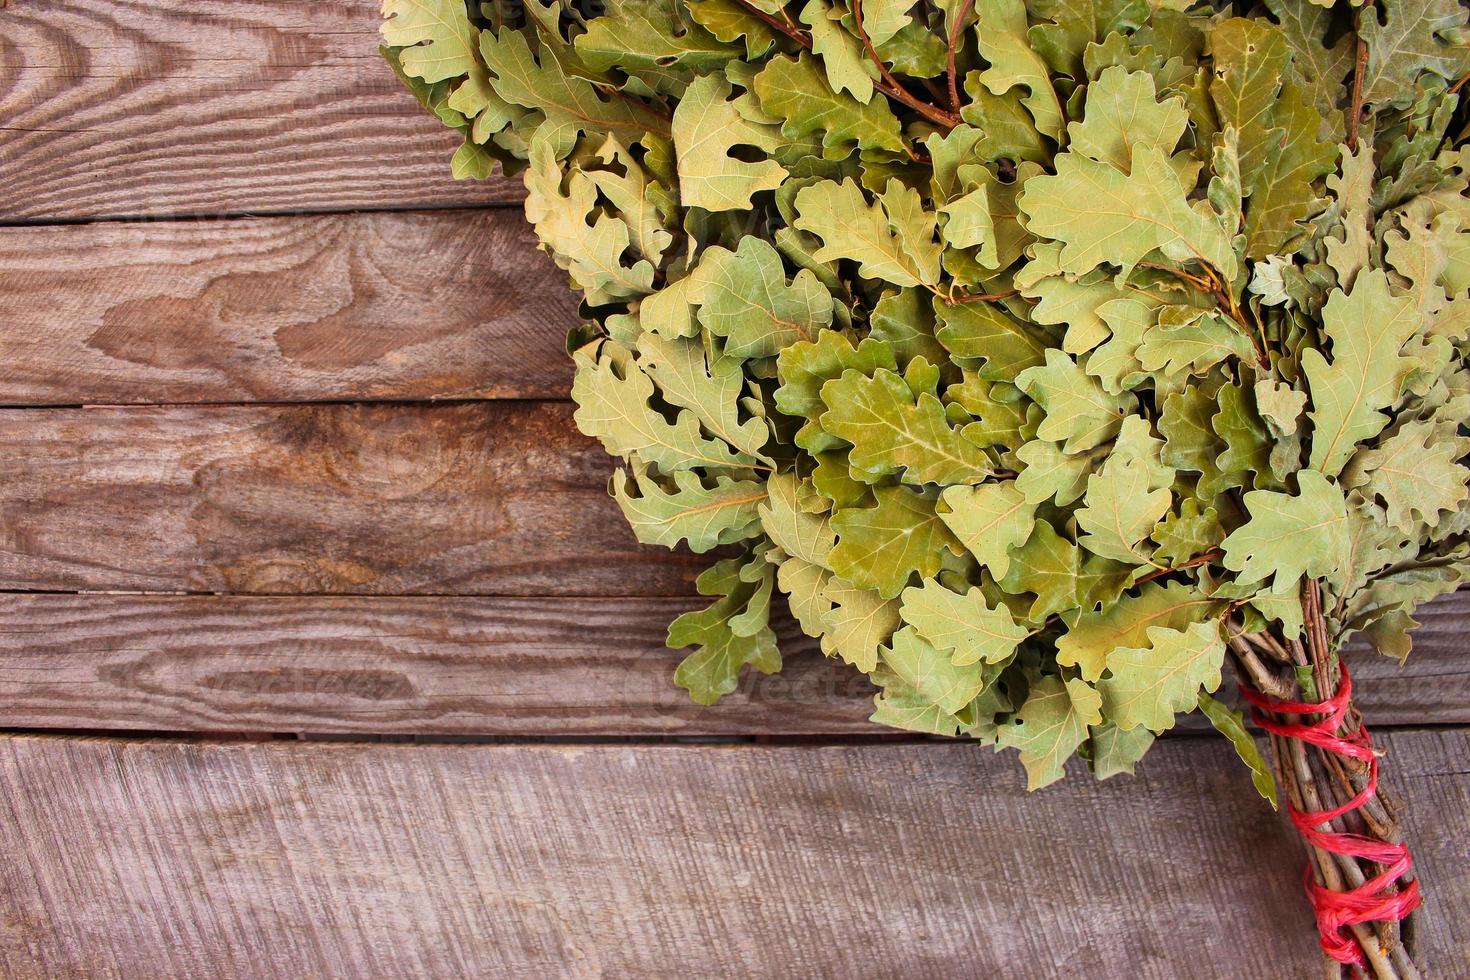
[209,107]
[390,665]
[485,666]
[234,860]
[412,305]
[502,498]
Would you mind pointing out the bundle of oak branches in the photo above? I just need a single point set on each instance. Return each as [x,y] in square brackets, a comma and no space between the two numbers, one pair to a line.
[1047,357]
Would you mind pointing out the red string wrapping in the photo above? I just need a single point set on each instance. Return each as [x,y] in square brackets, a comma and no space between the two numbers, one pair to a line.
[1372,901]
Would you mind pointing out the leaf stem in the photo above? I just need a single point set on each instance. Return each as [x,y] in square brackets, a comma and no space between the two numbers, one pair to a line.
[781,24]
[1360,68]
[955,30]
[982,297]
[888,85]
[1195,562]
[893,89]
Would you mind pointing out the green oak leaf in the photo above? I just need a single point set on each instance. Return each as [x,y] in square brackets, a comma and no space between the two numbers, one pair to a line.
[730,633]
[891,238]
[1147,686]
[930,673]
[1092,634]
[859,623]
[882,19]
[1123,112]
[794,91]
[613,405]
[1002,35]
[1412,36]
[1252,62]
[1415,473]
[841,53]
[569,104]
[585,242]
[795,531]
[648,36]
[1078,410]
[708,387]
[744,297]
[805,366]
[998,343]
[896,430]
[1113,751]
[1289,536]
[1368,328]
[706,127]
[965,625]
[703,516]
[1050,726]
[1231,724]
[1119,511]
[1101,214]
[879,547]
[988,520]
[438,40]
[1066,28]
[1049,567]
[645,207]
[729,21]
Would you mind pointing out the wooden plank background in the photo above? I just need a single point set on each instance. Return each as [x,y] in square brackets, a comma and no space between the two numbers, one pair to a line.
[285,456]
[138,108]
[630,861]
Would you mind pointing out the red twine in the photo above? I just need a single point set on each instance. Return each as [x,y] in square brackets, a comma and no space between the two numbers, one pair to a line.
[1371,901]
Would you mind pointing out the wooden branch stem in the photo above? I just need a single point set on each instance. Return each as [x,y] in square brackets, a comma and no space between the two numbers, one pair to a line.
[1320,777]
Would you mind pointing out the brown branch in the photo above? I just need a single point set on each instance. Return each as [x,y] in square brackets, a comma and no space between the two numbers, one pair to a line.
[1360,68]
[1316,778]
[778,24]
[982,297]
[955,30]
[1194,562]
[890,86]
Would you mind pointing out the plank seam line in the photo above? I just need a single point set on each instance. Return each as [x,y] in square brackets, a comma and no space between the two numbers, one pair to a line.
[447,401]
[60,221]
[384,596]
[752,739]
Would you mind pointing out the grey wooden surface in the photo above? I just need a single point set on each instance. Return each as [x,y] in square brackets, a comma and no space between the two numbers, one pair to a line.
[129,108]
[400,305]
[901,861]
[487,665]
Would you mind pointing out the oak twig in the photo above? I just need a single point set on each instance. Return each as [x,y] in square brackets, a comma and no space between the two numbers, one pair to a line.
[955,30]
[886,84]
[890,86]
[1313,778]
[1360,68]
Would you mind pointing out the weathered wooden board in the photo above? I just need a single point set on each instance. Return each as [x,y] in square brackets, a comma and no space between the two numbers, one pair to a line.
[209,107]
[483,666]
[419,665]
[473,498]
[411,305]
[167,859]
